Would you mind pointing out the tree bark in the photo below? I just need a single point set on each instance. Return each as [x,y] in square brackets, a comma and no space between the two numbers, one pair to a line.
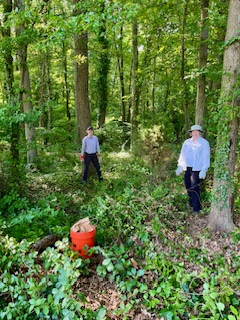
[11,99]
[25,93]
[185,100]
[134,105]
[121,75]
[203,55]
[83,117]
[103,69]
[222,205]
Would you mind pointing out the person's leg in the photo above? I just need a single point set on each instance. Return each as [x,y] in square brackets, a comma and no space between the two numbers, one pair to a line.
[195,191]
[187,181]
[96,164]
[87,160]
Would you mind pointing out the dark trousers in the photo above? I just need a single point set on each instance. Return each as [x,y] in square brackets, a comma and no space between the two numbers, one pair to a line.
[88,158]
[191,179]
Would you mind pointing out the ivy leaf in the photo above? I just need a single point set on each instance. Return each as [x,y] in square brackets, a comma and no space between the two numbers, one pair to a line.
[101,314]
[220,306]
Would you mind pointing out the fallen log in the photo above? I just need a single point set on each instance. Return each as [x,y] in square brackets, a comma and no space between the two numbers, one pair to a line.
[42,244]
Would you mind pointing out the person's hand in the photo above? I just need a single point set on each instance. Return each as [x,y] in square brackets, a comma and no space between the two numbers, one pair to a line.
[202,174]
[81,158]
[99,158]
[179,170]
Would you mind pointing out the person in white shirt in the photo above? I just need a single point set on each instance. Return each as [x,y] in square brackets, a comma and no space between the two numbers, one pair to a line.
[90,153]
[194,160]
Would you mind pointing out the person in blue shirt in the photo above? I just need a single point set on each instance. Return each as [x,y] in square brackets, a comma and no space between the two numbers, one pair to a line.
[90,153]
[194,161]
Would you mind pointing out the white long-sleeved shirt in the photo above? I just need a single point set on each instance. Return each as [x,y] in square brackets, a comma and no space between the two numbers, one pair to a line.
[195,154]
[90,145]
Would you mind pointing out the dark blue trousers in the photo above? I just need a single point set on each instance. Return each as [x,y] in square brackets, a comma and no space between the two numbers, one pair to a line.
[191,179]
[88,158]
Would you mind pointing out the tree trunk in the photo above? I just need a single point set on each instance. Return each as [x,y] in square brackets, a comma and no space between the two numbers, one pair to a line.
[66,85]
[121,75]
[201,87]
[103,69]
[134,105]
[83,117]
[153,91]
[15,129]
[25,93]
[220,218]
[185,100]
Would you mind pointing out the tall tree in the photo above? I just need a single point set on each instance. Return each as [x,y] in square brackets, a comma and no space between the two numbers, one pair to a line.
[83,117]
[222,205]
[103,68]
[184,84]
[11,99]
[134,100]
[25,86]
[120,60]
[203,48]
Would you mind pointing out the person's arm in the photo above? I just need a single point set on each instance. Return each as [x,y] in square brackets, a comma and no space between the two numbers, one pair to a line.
[206,161]
[83,149]
[98,148]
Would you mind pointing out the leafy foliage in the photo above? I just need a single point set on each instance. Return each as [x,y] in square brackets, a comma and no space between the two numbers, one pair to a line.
[143,238]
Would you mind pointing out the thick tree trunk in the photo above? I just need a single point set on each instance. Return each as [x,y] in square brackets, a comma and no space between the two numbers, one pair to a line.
[201,87]
[83,116]
[220,218]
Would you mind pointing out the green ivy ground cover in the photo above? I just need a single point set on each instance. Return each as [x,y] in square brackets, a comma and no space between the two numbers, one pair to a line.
[162,261]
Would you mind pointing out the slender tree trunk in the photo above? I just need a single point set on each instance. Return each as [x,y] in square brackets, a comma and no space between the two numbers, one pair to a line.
[66,85]
[121,75]
[103,69]
[25,93]
[184,85]
[12,101]
[222,205]
[134,105]
[83,117]
[153,91]
[201,87]
[42,118]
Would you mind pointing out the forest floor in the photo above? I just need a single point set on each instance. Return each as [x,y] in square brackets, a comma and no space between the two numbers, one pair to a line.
[100,291]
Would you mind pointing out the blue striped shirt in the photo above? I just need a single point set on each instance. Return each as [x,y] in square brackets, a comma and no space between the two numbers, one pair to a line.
[90,145]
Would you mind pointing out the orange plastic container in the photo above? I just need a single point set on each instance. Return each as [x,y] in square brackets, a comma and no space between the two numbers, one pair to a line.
[80,240]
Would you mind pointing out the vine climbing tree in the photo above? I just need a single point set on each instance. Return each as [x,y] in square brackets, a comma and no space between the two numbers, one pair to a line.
[222,205]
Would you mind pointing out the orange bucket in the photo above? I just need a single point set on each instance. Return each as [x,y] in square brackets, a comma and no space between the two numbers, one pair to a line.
[80,240]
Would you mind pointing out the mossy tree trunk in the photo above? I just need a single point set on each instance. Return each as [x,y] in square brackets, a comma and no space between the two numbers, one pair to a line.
[221,214]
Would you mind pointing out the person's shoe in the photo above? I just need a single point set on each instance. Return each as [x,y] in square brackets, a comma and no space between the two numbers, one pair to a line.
[195,212]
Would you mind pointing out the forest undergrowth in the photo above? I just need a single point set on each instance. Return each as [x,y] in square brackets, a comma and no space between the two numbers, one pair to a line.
[152,258]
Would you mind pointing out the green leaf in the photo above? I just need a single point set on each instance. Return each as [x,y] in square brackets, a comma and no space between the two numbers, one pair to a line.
[101,314]
[234,310]
[106,262]
[140,273]
[220,306]
[46,309]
